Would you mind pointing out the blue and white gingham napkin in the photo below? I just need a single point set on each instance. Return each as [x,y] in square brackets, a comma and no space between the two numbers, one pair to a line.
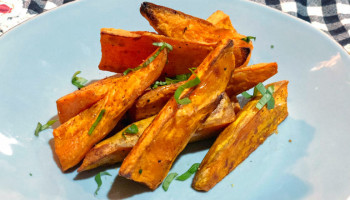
[330,16]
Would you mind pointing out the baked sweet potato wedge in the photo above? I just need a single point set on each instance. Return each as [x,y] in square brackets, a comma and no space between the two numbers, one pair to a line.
[241,138]
[115,148]
[176,24]
[72,104]
[74,138]
[153,155]
[244,78]
[123,49]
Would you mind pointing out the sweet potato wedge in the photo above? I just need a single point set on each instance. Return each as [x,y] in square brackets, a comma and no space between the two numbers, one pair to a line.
[176,24]
[115,148]
[72,139]
[153,155]
[244,78]
[72,104]
[241,138]
[123,49]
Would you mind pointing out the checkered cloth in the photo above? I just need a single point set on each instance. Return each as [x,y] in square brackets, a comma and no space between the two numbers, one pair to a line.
[330,16]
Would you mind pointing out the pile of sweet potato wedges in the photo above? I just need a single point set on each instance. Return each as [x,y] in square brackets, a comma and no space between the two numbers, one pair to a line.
[220,56]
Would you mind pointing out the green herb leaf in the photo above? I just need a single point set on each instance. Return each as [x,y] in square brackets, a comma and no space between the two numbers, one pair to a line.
[40,127]
[158,83]
[272,46]
[188,84]
[98,119]
[271,102]
[261,88]
[78,81]
[140,171]
[271,89]
[132,129]
[99,181]
[129,70]
[267,96]
[162,45]
[176,79]
[189,172]
[30,174]
[247,95]
[168,180]
[263,100]
[248,38]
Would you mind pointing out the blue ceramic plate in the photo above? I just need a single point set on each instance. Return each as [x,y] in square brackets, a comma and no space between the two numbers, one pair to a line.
[39,57]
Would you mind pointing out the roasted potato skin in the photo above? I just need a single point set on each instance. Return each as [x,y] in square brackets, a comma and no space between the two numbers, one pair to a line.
[151,158]
[244,78]
[176,24]
[241,138]
[72,140]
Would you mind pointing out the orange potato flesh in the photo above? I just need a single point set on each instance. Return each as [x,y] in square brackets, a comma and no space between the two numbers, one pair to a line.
[72,104]
[72,140]
[115,148]
[244,78]
[241,138]
[123,49]
[153,155]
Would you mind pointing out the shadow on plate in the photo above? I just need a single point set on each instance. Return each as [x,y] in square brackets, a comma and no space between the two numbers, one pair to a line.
[124,188]
[91,173]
